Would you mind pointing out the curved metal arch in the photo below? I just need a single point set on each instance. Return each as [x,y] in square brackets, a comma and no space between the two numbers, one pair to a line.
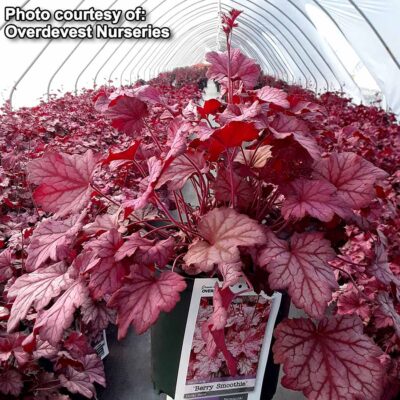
[134,44]
[340,30]
[6,22]
[288,40]
[277,71]
[212,29]
[263,17]
[194,50]
[158,44]
[281,44]
[281,64]
[304,14]
[69,56]
[176,44]
[195,54]
[123,20]
[378,35]
[107,60]
[257,57]
[272,64]
[263,57]
[182,37]
[292,44]
[284,46]
[33,62]
[309,41]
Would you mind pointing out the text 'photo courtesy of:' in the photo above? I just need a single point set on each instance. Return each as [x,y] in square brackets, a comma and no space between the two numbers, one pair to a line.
[199,200]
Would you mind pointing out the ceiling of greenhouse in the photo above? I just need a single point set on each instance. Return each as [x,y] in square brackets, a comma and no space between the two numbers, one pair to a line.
[349,45]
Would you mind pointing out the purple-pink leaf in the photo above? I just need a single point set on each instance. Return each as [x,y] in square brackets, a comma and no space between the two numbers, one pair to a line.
[127,114]
[178,133]
[101,102]
[142,298]
[284,125]
[148,94]
[387,307]
[155,167]
[6,271]
[36,289]
[353,177]
[106,275]
[11,382]
[77,382]
[221,301]
[242,67]
[254,158]
[301,266]
[380,267]
[51,240]
[350,302]
[273,95]
[51,323]
[231,273]
[181,169]
[96,315]
[94,369]
[11,345]
[315,198]
[159,253]
[242,189]
[131,245]
[224,230]
[64,181]
[104,222]
[145,251]
[331,359]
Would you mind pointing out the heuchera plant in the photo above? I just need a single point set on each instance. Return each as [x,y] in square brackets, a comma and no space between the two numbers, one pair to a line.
[266,185]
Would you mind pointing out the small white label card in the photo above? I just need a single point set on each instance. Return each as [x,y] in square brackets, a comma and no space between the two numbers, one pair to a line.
[248,334]
[101,346]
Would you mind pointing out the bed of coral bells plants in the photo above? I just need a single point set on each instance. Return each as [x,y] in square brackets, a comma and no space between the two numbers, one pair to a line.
[112,236]
[39,251]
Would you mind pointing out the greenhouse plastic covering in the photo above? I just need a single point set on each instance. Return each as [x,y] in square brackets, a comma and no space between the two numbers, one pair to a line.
[346,45]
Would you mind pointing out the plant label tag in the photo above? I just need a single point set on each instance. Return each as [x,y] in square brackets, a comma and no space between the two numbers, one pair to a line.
[101,346]
[248,334]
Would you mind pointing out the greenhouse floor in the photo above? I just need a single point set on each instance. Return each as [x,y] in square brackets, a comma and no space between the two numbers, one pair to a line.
[128,366]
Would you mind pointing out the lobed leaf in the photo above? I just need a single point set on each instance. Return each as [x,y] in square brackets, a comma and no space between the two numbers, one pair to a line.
[329,360]
[143,296]
[301,266]
[223,229]
[64,181]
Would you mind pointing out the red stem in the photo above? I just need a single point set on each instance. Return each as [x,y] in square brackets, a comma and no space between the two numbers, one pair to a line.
[230,89]
[353,282]
[155,140]
[96,189]
[230,162]
[158,229]
[178,207]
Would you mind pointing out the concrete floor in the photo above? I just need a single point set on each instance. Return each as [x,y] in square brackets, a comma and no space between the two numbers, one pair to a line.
[128,368]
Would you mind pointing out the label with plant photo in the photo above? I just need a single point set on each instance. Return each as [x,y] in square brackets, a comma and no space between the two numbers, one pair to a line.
[227,341]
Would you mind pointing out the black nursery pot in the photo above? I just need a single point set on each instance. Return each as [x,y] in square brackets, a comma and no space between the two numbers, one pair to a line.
[167,340]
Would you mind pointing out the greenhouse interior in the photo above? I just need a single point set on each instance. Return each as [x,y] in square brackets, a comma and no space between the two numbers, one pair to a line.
[200,200]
